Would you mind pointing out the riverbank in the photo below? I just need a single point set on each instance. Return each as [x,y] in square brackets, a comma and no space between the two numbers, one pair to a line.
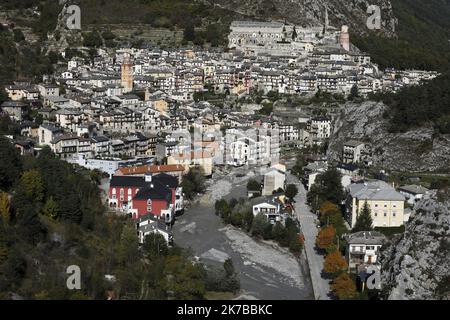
[266,271]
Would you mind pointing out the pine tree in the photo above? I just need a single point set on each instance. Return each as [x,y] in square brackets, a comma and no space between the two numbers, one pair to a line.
[364,220]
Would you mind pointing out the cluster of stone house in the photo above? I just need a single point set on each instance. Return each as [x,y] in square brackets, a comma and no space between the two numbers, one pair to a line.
[100,121]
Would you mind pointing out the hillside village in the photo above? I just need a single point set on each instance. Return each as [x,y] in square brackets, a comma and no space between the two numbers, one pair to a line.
[148,118]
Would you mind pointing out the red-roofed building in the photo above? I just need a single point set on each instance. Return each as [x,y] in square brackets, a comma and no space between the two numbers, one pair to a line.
[140,171]
[159,195]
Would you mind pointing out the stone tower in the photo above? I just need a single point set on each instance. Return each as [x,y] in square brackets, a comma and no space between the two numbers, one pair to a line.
[127,74]
[344,39]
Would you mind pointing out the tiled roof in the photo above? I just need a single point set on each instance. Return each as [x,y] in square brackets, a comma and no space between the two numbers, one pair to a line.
[150,169]
[375,190]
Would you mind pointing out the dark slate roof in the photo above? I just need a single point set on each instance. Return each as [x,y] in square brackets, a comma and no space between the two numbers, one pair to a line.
[166,180]
[127,181]
[156,191]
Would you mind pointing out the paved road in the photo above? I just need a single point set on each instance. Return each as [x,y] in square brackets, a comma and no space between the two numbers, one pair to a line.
[308,222]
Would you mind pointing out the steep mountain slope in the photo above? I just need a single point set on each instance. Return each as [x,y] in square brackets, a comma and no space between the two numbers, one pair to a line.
[423,37]
[418,149]
[416,265]
[312,12]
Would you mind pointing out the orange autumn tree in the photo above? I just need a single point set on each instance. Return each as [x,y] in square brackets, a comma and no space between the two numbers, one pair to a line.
[326,237]
[344,288]
[335,263]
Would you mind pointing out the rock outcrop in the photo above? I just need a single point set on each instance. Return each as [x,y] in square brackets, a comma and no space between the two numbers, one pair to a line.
[312,12]
[416,266]
[63,37]
[417,150]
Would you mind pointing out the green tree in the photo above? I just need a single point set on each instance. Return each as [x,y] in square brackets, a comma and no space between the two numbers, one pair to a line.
[260,225]
[237,218]
[51,208]
[354,92]
[28,224]
[155,245]
[300,163]
[327,186]
[229,267]
[296,245]
[92,39]
[189,33]
[364,220]
[182,279]
[280,234]
[193,182]
[128,250]
[32,184]
[253,185]
[5,212]
[3,95]
[3,243]
[291,191]
[72,209]
[10,164]
[248,219]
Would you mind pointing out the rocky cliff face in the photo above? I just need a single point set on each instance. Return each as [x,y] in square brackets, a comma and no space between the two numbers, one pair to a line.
[312,12]
[417,150]
[417,265]
[63,37]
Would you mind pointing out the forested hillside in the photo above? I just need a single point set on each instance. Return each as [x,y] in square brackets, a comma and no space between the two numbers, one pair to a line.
[423,40]
[423,30]
[19,59]
[51,217]
[421,105]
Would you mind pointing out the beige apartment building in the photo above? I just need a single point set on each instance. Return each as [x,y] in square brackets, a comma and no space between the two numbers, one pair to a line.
[385,203]
[202,159]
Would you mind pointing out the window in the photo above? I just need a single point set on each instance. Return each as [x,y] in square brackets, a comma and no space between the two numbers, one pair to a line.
[385,214]
[121,194]
[149,205]
[393,214]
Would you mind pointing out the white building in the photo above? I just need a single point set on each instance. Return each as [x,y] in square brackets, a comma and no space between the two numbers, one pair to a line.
[48,132]
[271,209]
[352,151]
[147,225]
[363,248]
[318,130]
[273,181]
[107,165]
[413,193]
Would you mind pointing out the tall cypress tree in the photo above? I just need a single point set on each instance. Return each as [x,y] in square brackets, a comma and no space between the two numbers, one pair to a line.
[364,220]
